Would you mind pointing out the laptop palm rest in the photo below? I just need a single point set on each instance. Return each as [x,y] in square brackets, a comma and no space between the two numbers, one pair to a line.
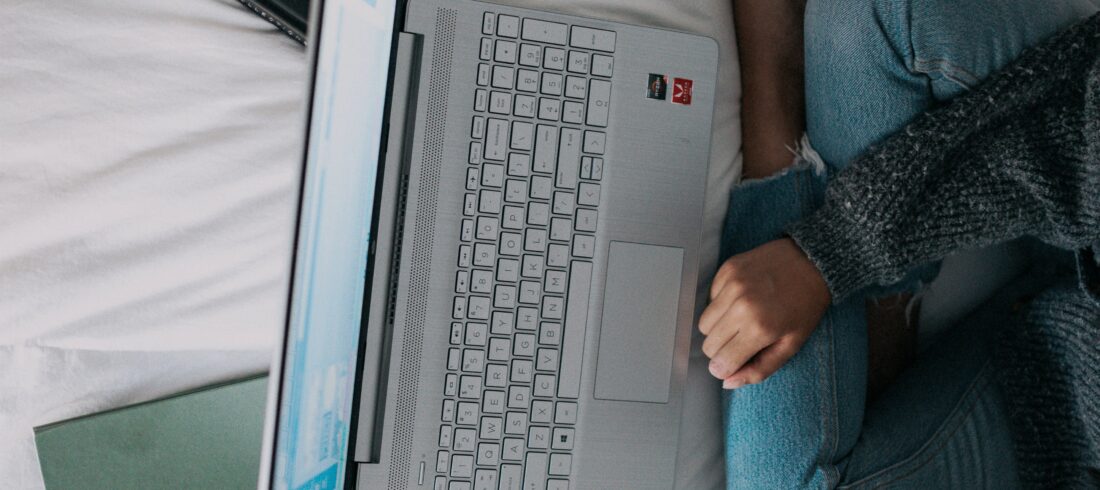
[637,334]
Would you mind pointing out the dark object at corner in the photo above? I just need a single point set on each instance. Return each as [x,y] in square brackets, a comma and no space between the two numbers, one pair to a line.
[290,16]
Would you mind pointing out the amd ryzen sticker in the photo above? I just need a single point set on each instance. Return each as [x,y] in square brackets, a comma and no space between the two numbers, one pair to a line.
[681,91]
[658,85]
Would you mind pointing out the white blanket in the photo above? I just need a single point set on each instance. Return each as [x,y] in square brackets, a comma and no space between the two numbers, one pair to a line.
[149,153]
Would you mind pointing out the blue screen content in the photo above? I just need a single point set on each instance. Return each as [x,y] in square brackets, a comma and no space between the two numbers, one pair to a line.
[326,306]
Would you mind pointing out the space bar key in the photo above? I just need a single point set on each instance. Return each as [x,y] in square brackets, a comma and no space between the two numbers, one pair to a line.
[576,322]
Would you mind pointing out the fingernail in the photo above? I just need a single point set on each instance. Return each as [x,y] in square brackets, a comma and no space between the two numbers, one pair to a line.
[732,384]
[717,369]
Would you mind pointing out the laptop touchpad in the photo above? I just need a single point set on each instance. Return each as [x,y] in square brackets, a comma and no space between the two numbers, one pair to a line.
[638,332]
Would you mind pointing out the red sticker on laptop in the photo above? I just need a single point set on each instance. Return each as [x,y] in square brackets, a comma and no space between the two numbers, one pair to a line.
[681,91]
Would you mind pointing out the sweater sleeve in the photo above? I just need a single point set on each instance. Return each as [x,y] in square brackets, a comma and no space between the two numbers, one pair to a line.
[1019,155]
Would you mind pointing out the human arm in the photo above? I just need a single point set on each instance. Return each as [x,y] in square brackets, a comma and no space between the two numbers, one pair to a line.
[769,44]
[1019,155]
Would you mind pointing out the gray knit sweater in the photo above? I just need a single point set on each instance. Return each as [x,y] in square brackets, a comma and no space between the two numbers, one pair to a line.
[1018,156]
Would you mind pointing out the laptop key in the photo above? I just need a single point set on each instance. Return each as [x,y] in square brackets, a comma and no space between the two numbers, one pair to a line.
[486,52]
[547,359]
[496,139]
[515,423]
[584,246]
[530,55]
[481,100]
[594,142]
[553,484]
[448,414]
[565,412]
[477,308]
[543,387]
[500,349]
[475,332]
[586,220]
[511,476]
[505,52]
[538,438]
[522,135]
[519,165]
[546,148]
[462,466]
[549,109]
[563,203]
[469,387]
[503,77]
[482,74]
[488,23]
[493,402]
[490,428]
[515,191]
[553,59]
[576,320]
[551,84]
[503,323]
[560,229]
[599,102]
[501,103]
[595,39]
[541,411]
[464,439]
[588,194]
[578,62]
[544,32]
[507,26]
[488,454]
[575,87]
[560,464]
[562,439]
[485,479]
[534,472]
[572,112]
[602,65]
[527,81]
[445,436]
[464,256]
[442,461]
[569,158]
[524,106]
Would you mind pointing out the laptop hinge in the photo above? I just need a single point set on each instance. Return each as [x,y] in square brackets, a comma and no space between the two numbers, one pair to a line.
[379,324]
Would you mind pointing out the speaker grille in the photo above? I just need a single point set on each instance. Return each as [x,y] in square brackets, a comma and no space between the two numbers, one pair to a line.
[420,254]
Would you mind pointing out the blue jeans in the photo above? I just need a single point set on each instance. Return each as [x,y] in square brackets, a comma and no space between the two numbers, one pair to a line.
[871,67]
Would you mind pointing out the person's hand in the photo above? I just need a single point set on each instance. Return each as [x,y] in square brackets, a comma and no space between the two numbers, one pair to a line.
[764,304]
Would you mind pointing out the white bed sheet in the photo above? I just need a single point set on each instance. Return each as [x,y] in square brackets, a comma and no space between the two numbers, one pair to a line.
[148,162]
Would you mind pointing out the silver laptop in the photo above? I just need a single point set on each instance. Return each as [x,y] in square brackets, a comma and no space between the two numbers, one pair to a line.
[497,251]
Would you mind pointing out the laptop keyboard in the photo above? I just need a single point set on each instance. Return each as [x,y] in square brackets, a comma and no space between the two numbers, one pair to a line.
[531,212]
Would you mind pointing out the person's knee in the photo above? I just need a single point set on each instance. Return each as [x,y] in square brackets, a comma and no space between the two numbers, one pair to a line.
[854,31]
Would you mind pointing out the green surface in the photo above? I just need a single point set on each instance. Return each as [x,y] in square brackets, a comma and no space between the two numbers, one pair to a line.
[206,439]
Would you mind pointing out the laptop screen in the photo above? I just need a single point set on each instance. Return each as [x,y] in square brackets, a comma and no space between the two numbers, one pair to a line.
[326,306]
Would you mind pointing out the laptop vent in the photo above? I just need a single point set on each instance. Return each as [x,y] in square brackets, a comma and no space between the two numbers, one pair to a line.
[420,253]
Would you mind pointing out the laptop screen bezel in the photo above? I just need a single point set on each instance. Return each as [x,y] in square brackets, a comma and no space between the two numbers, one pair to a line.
[278,375]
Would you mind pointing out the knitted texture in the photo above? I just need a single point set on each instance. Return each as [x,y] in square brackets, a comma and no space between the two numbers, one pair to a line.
[1049,370]
[1016,156]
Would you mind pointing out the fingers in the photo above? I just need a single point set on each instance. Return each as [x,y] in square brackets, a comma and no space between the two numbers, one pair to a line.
[765,364]
[728,355]
[719,306]
[720,278]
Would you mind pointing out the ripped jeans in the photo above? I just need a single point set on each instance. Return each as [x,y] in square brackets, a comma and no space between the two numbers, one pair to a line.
[871,67]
